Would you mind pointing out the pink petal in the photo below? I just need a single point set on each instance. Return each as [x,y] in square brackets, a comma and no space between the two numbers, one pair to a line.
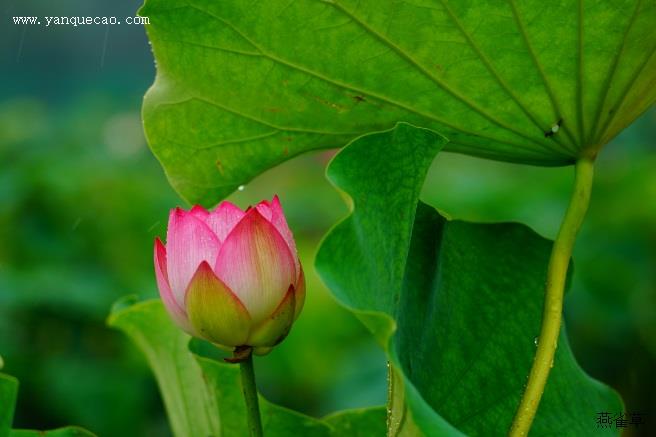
[177,313]
[189,242]
[199,212]
[255,262]
[273,212]
[264,208]
[224,218]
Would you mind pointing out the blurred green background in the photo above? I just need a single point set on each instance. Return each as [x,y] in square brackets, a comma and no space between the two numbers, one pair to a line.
[82,198]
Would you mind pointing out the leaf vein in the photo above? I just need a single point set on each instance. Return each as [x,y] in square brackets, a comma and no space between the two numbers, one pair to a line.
[579,78]
[554,101]
[442,85]
[611,74]
[380,97]
[258,120]
[495,74]
[227,142]
[626,92]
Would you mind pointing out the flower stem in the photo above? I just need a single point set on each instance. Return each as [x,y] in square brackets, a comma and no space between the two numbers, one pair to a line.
[250,396]
[561,253]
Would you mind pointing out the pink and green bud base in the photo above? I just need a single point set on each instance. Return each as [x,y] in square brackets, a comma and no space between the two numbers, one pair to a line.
[231,277]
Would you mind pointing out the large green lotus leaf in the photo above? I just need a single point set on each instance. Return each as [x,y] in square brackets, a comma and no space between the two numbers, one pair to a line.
[244,85]
[203,395]
[8,394]
[456,305]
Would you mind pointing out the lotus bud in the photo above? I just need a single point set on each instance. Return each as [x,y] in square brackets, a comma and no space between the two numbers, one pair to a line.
[231,277]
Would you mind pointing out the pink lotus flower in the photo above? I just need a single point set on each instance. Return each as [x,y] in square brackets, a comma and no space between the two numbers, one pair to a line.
[229,276]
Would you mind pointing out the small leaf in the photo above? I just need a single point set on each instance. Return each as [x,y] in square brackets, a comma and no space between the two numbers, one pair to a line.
[456,305]
[69,431]
[242,86]
[8,395]
[203,395]
[223,381]
[186,398]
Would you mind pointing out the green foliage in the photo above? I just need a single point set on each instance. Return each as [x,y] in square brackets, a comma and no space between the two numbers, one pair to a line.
[69,431]
[8,394]
[242,86]
[180,381]
[225,384]
[203,395]
[72,243]
[364,422]
[456,305]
